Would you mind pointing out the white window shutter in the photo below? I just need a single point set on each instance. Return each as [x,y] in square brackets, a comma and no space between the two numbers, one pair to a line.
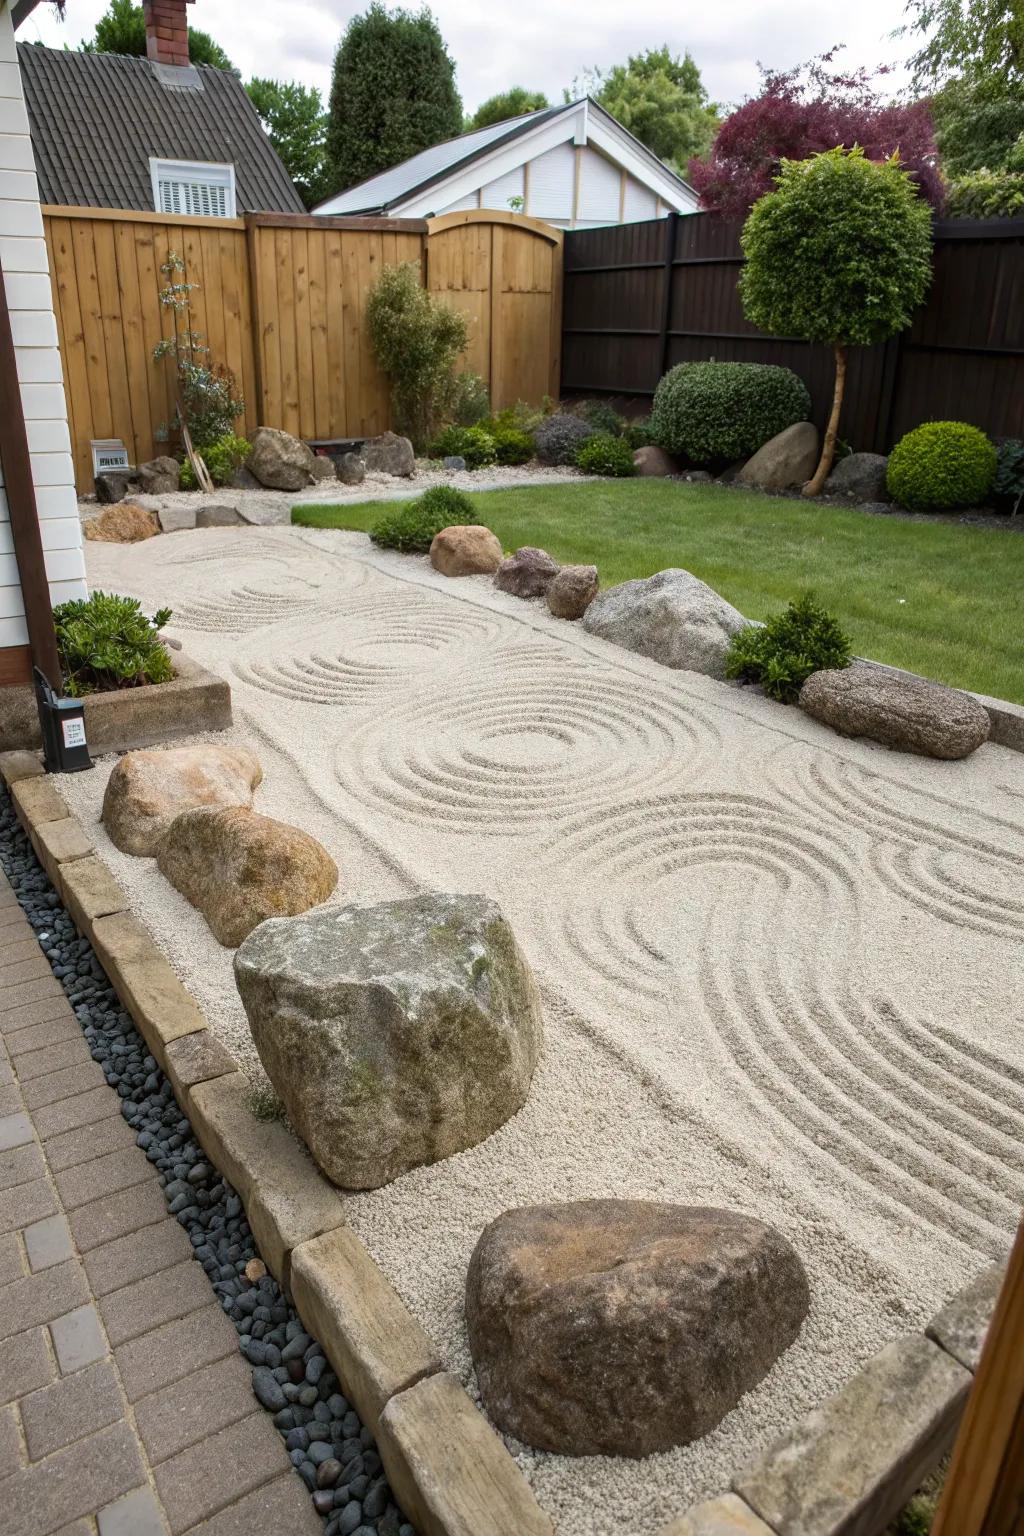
[193,190]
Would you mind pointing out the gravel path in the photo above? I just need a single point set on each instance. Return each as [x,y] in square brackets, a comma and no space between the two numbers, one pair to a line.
[778,968]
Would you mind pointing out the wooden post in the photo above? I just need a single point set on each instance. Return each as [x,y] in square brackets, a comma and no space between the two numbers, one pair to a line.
[984,1492]
[21,507]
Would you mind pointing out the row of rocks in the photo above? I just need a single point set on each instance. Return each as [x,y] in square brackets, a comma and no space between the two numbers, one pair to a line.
[190,808]
[330,1448]
[277,461]
[784,463]
[400,1034]
[472,550]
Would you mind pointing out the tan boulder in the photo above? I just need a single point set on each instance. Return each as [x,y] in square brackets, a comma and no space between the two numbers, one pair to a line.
[147,790]
[123,523]
[572,591]
[625,1327]
[786,460]
[466,550]
[652,460]
[239,868]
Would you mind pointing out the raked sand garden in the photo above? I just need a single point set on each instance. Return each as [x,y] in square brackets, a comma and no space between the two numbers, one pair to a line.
[780,971]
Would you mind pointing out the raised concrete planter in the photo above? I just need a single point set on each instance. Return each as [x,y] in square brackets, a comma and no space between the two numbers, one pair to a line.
[447,1466]
[195,701]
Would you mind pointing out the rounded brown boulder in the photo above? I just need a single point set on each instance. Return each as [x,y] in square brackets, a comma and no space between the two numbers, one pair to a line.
[625,1327]
[148,789]
[572,591]
[910,714]
[467,549]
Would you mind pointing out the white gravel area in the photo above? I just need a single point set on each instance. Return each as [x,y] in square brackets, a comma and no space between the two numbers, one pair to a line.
[781,971]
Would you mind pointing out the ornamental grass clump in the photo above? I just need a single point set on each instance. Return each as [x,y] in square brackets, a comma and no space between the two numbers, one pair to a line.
[840,254]
[712,413]
[105,642]
[782,653]
[604,454]
[940,466]
[412,525]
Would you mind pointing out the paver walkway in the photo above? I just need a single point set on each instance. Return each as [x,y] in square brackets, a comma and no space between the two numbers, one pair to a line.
[125,1405]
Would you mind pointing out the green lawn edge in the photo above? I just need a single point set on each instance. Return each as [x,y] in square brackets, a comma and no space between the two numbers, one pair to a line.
[934,596]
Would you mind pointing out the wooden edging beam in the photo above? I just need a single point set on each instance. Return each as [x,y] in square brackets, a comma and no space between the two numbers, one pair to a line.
[448,1467]
[19,490]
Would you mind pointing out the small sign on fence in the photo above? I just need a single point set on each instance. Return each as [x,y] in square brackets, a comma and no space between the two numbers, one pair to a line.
[108,453]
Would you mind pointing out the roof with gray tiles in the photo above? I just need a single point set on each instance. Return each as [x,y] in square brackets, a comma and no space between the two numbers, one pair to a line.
[96,118]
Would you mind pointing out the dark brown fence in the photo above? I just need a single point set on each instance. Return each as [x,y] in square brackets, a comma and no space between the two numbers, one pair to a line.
[640,298]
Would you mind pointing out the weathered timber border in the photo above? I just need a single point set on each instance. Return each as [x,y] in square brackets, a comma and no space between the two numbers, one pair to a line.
[449,1469]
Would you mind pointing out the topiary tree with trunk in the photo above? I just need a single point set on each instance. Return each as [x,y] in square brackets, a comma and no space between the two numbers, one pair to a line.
[840,254]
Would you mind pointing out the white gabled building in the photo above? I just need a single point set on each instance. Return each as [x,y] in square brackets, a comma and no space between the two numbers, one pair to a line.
[574,166]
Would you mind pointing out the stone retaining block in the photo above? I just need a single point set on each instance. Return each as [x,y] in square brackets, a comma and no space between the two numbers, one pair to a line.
[144,981]
[449,1470]
[376,1345]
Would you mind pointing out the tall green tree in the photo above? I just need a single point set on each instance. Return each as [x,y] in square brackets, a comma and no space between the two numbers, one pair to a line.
[122,29]
[660,98]
[296,124]
[841,254]
[511,103]
[392,94]
[970,59]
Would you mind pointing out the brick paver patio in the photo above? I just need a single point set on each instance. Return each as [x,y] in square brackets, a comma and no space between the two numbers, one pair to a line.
[126,1408]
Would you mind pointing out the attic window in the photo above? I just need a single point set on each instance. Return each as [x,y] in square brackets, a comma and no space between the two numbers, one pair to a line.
[189,187]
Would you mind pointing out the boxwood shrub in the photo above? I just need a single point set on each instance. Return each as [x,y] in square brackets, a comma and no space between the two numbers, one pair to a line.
[473,444]
[411,525]
[782,653]
[713,413]
[512,446]
[941,465]
[604,454]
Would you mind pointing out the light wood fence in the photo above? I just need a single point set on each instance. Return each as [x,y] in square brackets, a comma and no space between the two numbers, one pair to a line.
[281,301]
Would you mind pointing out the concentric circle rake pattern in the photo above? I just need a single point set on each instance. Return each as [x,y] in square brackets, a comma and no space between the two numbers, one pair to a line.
[928,1123]
[533,734]
[243,608]
[913,856]
[371,644]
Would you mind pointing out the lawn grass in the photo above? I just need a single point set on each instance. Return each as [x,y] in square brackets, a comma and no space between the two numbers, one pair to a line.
[945,599]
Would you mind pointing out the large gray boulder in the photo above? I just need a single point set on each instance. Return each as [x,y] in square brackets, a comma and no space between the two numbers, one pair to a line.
[672,617]
[786,460]
[396,1035]
[279,460]
[910,714]
[861,476]
[389,454]
[625,1327]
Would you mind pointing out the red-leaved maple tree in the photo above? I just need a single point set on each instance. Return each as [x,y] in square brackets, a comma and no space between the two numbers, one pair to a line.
[801,112]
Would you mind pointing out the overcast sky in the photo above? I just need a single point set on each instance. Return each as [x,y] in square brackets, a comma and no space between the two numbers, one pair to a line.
[541,44]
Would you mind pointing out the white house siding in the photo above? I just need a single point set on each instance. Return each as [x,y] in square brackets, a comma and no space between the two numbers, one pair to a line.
[599,190]
[552,179]
[640,202]
[471,200]
[497,193]
[29,297]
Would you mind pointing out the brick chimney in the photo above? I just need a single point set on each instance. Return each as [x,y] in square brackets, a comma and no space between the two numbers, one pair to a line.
[166,31]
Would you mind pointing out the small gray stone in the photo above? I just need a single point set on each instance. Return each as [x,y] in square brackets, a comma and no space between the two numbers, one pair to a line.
[176,518]
[320,1452]
[268,1389]
[112,485]
[216,515]
[328,1472]
[158,476]
[351,469]
[861,476]
[454,461]
[389,454]
[351,1518]
[322,468]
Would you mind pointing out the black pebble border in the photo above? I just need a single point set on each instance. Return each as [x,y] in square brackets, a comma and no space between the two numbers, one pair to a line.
[331,1449]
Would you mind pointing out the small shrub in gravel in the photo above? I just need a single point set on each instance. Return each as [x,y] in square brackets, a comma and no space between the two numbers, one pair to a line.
[223,458]
[291,1376]
[473,444]
[558,439]
[606,455]
[713,413]
[940,466]
[1008,486]
[513,446]
[412,525]
[782,653]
